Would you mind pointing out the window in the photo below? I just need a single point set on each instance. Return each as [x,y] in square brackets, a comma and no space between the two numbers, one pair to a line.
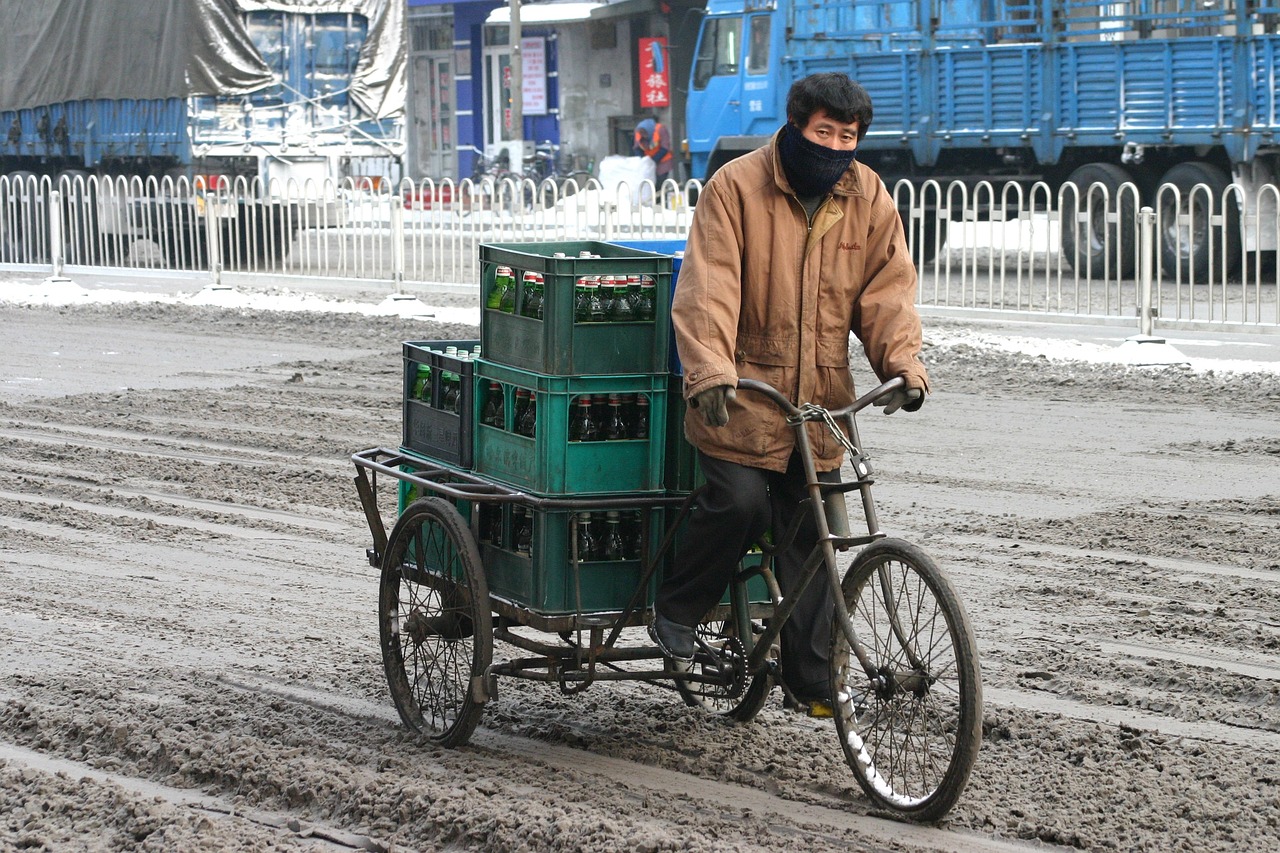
[758,55]
[719,50]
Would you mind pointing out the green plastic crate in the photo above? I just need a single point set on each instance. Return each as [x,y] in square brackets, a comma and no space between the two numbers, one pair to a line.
[681,473]
[546,582]
[556,344]
[548,463]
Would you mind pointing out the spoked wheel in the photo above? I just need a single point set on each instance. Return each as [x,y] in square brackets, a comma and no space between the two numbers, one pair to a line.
[434,620]
[911,732]
[744,695]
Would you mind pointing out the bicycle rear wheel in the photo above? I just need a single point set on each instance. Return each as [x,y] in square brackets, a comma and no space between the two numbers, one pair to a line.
[434,621]
[911,732]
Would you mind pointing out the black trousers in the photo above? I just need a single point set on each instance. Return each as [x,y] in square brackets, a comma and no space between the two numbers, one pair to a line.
[730,515]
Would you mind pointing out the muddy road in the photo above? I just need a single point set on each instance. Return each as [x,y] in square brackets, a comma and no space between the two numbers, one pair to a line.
[189,659]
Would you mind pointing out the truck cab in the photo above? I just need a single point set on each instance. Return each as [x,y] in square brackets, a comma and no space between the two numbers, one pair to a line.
[735,90]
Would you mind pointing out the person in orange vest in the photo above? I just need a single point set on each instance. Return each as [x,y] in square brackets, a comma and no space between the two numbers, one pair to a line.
[653,140]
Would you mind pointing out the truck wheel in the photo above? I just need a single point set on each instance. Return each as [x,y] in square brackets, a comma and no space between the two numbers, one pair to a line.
[1191,247]
[1086,244]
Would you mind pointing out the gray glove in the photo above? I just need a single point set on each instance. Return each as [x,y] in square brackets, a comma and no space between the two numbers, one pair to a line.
[714,404]
[909,399]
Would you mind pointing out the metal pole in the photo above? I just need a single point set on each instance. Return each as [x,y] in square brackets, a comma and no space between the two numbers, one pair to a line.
[211,237]
[397,241]
[55,234]
[1146,250]
[517,83]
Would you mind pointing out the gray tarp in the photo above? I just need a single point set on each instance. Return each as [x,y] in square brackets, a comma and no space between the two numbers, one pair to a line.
[74,50]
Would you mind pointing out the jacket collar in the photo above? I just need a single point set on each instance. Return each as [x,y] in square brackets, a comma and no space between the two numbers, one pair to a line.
[850,182]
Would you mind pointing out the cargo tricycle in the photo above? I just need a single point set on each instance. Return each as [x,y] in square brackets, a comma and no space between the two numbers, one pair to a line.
[471,560]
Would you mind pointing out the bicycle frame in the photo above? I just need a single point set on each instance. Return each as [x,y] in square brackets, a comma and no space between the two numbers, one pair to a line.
[824,552]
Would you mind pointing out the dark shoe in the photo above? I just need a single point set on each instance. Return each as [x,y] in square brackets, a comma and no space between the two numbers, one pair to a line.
[673,639]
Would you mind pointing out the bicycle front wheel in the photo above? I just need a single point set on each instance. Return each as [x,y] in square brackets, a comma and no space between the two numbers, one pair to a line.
[911,730]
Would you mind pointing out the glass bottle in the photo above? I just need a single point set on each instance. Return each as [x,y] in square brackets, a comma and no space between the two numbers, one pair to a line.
[647,303]
[522,403]
[586,538]
[507,302]
[529,419]
[494,299]
[491,523]
[640,421]
[455,405]
[633,294]
[581,301]
[531,306]
[620,305]
[615,427]
[493,406]
[582,427]
[523,523]
[422,383]
[635,535]
[614,548]
[595,299]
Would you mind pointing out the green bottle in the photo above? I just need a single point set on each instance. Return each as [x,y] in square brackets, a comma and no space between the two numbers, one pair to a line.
[501,278]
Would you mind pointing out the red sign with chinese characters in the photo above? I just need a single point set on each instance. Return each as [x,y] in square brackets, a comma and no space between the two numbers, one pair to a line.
[655,88]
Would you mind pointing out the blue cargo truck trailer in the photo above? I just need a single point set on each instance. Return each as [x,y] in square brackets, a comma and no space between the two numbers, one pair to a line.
[279,92]
[1074,94]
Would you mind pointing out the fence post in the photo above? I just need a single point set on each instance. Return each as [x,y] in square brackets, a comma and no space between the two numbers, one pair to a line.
[212,238]
[55,237]
[397,241]
[1146,255]
[1145,348]
[607,212]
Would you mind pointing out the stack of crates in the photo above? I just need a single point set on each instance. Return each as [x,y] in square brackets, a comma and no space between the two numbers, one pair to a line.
[568,368]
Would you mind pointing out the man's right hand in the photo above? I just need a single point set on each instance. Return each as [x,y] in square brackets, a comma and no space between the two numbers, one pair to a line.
[714,404]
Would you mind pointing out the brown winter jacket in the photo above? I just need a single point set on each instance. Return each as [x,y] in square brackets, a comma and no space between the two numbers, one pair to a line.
[763,296]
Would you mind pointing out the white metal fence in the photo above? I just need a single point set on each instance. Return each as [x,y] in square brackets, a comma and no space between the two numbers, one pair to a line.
[1073,252]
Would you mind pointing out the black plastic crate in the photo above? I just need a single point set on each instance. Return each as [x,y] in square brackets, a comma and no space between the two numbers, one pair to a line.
[434,425]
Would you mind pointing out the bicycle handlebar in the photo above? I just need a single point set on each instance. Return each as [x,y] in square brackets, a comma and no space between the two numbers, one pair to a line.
[856,406]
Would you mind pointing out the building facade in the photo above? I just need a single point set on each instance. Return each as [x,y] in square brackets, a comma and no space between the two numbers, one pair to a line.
[590,71]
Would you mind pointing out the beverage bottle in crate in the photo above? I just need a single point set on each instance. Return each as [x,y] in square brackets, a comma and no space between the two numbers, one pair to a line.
[501,277]
[491,524]
[582,427]
[619,310]
[522,403]
[422,383]
[523,524]
[533,295]
[614,546]
[587,545]
[647,302]
[640,417]
[507,301]
[528,424]
[634,535]
[493,406]
[615,428]
[633,294]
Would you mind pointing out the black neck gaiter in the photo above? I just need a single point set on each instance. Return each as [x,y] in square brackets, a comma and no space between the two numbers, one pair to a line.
[811,169]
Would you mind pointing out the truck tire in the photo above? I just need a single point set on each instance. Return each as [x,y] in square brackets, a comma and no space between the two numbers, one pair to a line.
[1193,249]
[1085,245]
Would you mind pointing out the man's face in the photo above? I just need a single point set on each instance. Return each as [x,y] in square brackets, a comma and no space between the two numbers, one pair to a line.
[826,131]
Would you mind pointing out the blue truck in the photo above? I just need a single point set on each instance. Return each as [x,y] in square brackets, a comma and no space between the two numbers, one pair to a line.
[270,90]
[1090,94]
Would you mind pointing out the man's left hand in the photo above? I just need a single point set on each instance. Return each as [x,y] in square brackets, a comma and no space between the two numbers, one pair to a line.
[899,398]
